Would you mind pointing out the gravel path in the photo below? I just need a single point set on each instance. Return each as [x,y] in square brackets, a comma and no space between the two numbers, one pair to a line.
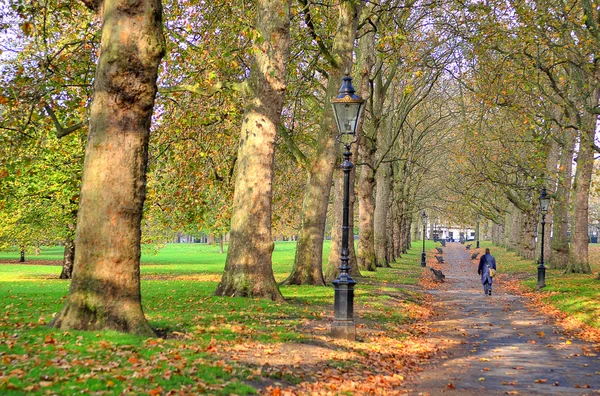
[495,345]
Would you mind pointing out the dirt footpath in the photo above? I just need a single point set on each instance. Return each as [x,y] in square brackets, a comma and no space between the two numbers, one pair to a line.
[495,345]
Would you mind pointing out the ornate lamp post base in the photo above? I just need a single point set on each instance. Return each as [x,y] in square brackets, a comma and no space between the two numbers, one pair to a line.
[344,326]
[541,280]
[423,259]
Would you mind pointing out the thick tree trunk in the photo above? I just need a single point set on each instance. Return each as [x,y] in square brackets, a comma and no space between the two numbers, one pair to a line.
[578,257]
[382,199]
[397,233]
[366,206]
[366,179]
[105,290]
[527,234]
[559,244]
[308,263]
[248,268]
[22,258]
[406,224]
[512,232]
[552,162]
[68,259]
[496,234]
[390,234]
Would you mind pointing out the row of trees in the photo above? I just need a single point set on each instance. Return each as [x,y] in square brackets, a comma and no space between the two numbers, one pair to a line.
[464,117]
[529,96]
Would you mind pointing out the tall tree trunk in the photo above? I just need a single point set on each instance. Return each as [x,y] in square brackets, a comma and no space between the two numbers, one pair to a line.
[105,290]
[552,162]
[496,234]
[22,258]
[406,225]
[527,234]
[390,233]
[512,233]
[382,202]
[397,232]
[366,155]
[248,268]
[366,206]
[578,257]
[68,258]
[308,263]
[559,244]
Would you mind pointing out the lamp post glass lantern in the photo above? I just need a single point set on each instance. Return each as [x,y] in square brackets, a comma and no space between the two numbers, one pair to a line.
[544,206]
[423,254]
[347,109]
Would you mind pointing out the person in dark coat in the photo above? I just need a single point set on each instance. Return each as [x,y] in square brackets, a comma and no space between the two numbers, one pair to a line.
[486,262]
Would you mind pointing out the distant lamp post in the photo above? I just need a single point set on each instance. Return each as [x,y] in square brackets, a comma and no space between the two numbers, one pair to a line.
[423,255]
[478,221]
[347,108]
[544,205]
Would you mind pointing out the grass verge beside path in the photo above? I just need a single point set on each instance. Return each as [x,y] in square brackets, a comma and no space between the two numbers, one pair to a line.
[575,298]
[213,345]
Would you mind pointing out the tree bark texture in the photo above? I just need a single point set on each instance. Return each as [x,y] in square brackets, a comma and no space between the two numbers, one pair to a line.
[396,240]
[248,268]
[496,234]
[390,234]
[105,290]
[405,232]
[559,244]
[68,259]
[366,207]
[578,255]
[527,234]
[308,262]
[382,200]
[552,162]
[366,155]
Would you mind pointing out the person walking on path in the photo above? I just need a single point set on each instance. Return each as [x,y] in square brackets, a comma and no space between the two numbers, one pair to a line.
[486,263]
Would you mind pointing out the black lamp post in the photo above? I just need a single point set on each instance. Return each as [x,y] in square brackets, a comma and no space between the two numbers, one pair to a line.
[347,108]
[544,205]
[478,221]
[423,255]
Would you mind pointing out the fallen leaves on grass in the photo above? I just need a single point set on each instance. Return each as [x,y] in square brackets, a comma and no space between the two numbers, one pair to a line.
[566,321]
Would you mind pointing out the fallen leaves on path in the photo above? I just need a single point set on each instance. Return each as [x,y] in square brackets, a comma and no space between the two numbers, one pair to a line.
[535,300]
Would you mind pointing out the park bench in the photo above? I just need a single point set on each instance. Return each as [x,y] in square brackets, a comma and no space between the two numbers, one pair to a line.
[443,242]
[439,275]
[440,250]
[439,259]
[468,246]
[474,255]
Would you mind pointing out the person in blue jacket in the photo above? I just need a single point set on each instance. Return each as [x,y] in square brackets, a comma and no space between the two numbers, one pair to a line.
[486,262]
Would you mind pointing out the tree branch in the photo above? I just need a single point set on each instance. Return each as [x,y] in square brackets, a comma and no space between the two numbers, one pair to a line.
[196,89]
[297,154]
[311,27]
[60,131]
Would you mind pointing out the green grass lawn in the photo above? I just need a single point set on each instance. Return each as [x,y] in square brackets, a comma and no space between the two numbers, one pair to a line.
[177,289]
[574,294]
